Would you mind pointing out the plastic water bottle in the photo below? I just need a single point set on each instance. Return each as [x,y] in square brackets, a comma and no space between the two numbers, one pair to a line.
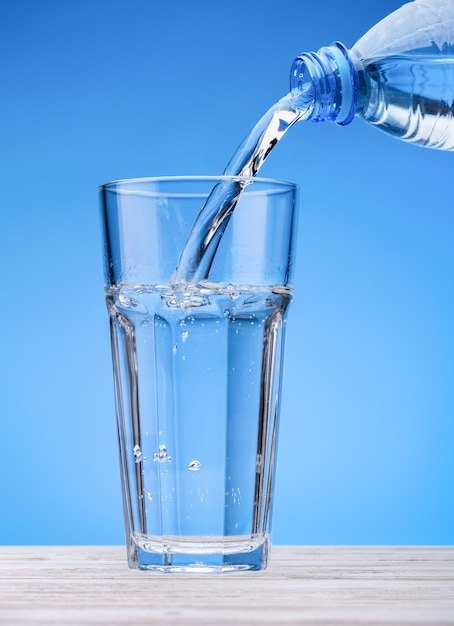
[398,77]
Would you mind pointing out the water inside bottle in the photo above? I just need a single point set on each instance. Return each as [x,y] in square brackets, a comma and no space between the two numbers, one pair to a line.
[411,96]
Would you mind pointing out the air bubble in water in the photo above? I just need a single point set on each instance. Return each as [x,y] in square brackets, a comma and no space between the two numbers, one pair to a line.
[126,302]
[162,455]
[149,496]
[183,299]
[194,465]
[137,452]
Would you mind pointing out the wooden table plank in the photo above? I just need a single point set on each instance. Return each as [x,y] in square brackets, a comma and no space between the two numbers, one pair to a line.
[321,586]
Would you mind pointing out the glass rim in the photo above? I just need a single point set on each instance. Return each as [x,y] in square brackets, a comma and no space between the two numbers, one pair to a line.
[124,182]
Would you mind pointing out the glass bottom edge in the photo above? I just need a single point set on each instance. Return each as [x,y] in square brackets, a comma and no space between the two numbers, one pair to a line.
[198,555]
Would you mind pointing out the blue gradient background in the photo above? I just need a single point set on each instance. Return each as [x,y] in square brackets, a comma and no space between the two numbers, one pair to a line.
[94,91]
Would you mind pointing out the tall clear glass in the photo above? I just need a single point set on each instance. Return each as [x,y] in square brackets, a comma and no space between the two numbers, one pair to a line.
[197,369]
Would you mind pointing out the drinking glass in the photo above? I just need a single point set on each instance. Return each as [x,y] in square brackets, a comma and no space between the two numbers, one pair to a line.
[197,367]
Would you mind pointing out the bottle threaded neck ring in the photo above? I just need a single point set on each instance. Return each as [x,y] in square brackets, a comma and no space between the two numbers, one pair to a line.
[328,79]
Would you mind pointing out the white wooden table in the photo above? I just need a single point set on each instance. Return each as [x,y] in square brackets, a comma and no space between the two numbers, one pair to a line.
[326,586]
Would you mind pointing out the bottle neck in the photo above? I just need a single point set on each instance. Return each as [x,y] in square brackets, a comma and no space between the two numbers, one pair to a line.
[327,81]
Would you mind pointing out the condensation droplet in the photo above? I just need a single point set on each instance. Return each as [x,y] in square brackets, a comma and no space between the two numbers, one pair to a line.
[194,465]
[149,496]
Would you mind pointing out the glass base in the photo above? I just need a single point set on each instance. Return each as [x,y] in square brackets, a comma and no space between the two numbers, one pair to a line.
[199,555]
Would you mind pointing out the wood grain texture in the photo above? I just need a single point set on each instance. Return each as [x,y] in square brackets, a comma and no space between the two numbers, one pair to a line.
[321,586]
